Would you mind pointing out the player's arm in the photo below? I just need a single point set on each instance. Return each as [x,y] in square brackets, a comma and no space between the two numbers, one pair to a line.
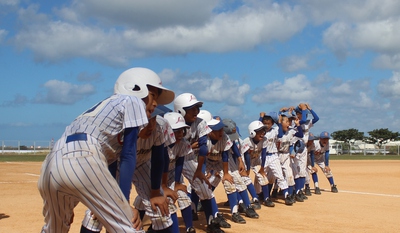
[178,174]
[299,132]
[263,158]
[225,158]
[237,157]
[203,150]
[315,116]
[327,161]
[164,181]
[303,108]
[156,172]
[128,160]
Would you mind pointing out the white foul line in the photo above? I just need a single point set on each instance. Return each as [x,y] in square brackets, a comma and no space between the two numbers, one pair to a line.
[30,174]
[365,193]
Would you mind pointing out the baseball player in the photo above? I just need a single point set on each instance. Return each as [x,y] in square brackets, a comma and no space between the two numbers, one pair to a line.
[219,146]
[188,106]
[320,156]
[310,149]
[260,160]
[285,138]
[177,153]
[299,162]
[76,170]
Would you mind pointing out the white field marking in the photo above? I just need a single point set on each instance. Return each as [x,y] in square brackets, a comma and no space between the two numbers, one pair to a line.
[31,174]
[365,193]
[19,182]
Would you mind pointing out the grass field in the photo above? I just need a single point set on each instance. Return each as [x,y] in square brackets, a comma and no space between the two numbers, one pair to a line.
[13,157]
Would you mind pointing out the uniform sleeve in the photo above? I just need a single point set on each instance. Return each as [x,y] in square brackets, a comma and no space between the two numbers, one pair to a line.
[327,158]
[134,112]
[157,166]
[315,116]
[312,158]
[203,150]
[128,161]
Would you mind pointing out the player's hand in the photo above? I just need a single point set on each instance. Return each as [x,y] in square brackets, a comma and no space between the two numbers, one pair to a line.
[243,173]
[308,106]
[200,175]
[160,201]
[283,109]
[297,121]
[137,223]
[241,167]
[170,193]
[262,172]
[262,114]
[180,186]
[327,169]
[315,169]
[302,106]
[195,145]
[227,177]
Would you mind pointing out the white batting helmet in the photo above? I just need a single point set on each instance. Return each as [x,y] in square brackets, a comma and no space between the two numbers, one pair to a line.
[185,100]
[254,127]
[176,120]
[214,124]
[134,82]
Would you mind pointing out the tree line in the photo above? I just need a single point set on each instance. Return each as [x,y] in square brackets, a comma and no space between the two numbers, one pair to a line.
[376,136]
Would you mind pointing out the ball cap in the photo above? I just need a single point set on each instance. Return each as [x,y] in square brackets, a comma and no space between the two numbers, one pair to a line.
[230,129]
[160,110]
[311,137]
[324,134]
[299,146]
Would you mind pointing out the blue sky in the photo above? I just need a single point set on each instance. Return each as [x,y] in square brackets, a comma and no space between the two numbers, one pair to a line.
[239,57]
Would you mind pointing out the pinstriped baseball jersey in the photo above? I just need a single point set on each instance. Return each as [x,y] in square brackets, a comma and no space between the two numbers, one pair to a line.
[76,170]
[215,150]
[162,134]
[107,119]
[319,151]
[197,129]
[254,149]
[181,149]
[286,140]
[272,137]
[306,130]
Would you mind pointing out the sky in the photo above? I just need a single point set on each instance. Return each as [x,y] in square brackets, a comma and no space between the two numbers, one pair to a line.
[59,58]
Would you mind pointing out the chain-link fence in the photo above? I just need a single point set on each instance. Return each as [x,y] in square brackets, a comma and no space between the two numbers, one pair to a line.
[25,146]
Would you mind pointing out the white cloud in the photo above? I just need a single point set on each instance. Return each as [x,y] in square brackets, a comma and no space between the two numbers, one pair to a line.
[294,63]
[206,88]
[391,62]
[389,88]
[294,90]
[60,92]
[117,43]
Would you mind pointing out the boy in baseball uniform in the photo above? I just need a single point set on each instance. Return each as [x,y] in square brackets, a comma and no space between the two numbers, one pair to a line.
[77,168]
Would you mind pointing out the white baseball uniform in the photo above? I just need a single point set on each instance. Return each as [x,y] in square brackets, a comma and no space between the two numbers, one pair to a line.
[76,170]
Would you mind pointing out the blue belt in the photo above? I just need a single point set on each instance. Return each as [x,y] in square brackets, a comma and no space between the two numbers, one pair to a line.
[269,154]
[77,137]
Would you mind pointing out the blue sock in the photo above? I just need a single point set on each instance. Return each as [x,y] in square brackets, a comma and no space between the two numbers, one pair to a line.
[290,190]
[239,198]
[285,192]
[302,182]
[187,216]
[265,191]
[245,197]
[297,185]
[314,177]
[252,190]
[207,210]
[175,223]
[232,198]
[307,185]
[195,199]
[214,206]
[331,181]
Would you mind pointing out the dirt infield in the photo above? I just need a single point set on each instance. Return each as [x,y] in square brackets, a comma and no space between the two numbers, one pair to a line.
[368,201]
